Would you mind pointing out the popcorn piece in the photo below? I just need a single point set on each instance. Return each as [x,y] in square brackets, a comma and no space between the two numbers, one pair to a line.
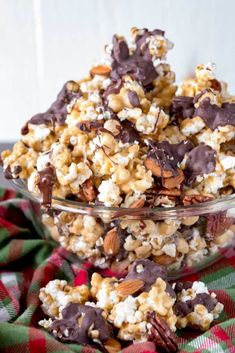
[195,306]
[57,294]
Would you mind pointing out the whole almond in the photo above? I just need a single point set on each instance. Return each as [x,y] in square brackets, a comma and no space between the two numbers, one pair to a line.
[130,286]
[111,242]
[137,204]
[173,182]
[112,345]
[101,70]
[156,169]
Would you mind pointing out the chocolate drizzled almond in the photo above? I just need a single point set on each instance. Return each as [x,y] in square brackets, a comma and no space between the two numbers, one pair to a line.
[167,157]
[46,181]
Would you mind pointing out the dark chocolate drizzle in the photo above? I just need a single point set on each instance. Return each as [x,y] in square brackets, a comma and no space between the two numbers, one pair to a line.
[46,181]
[184,308]
[57,112]
[79,333]
[201,160]
[168,155]
[138,65]
[215,116]
[151,272]
[133,99]
[182,106]
[128,133]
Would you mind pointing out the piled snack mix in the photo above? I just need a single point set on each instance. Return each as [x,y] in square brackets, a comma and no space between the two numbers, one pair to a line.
[141,307]
[126,137]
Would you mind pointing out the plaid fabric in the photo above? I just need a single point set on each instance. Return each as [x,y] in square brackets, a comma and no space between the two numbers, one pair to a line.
[29,259]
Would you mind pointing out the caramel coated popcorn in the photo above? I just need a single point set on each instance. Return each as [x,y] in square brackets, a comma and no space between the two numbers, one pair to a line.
[126,136]
[134,306]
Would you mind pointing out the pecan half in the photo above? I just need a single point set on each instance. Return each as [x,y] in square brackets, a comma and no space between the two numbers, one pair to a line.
[161,334]
[170,192]
[88,190]
[171,183]
[217,224]
[193,199]
[137,204]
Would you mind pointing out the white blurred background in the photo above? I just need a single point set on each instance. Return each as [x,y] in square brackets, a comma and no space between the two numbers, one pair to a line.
[43,43]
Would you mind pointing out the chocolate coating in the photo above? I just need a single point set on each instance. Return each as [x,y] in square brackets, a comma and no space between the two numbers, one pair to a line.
[138,65]
[184,308]
[201,160]
[57,112]
[169,155]
[133,98]
[149,274]
[46,181]
[215,116]
[182,106]
[128,133]
[78,332]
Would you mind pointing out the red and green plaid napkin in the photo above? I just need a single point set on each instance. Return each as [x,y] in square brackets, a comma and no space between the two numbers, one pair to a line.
[29,259]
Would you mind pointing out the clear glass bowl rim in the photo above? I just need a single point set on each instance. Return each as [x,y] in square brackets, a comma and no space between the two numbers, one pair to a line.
[159,213]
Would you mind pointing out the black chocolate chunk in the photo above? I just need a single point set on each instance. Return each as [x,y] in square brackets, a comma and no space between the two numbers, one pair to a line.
[57,112]
[215,116]
[168,155]
[128,133]
[138,65]
[133,99]
[179,286]
[149,274]
[7,173]
[201,160]
[184,308]
[68,329]
[182,106]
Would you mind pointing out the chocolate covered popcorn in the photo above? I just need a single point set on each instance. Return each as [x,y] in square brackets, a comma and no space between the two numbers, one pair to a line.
[126,136]
[142,306]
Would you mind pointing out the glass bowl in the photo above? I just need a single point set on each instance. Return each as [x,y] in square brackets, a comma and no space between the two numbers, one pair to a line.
[184,239]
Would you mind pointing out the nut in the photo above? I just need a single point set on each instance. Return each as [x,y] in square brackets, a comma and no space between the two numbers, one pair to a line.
[102,70]
[189,221]
[111,242]
[137,204]
[88,190]
[192,199]
[164,259]
[130,286]
[112,346]
[171,183]
[161,334]
[156,169]
[170,192]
